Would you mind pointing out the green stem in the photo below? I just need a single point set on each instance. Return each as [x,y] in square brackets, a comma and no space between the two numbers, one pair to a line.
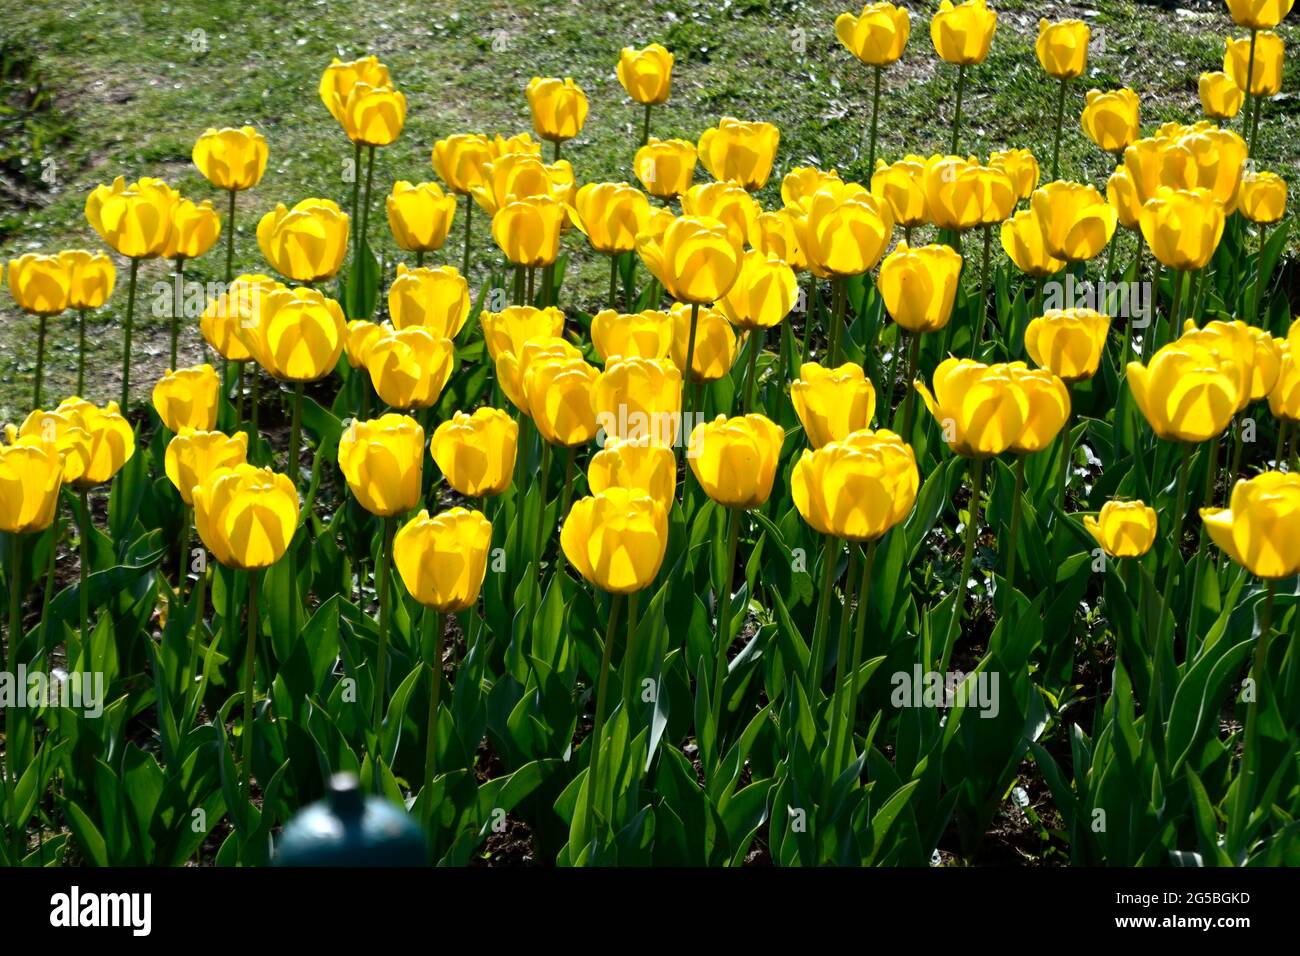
[10,769]
[1060,121]
[519,286]
[598,726]
[239,391]
[433,620]
[629,681]
[250,670]
[968,555]
[839,307]
[566,498]
[842,673]
[41,325]
[956,118]
[809,317]
[860,627]
[983,294]
[469,215]
[364,239]
[875,118]
[127,328]
[230,239]
[1063,477]
[1259,275]
[1250,97]
[755,347]
[613,281]
[817,659]
[177,300]
[724,629]
[83,590]
[1249,769]
[1014,537]
[532,281]
[909,394]
[1179,519]
[689,372]
[645,127]
[81,352]
[1175,307]
[381,661]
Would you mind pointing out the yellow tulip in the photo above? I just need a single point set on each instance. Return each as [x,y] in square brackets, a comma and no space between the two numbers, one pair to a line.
[981,409]
[193,455]
[239,307]
[372,115]
[1263,197]
[919,285]
[60,431]
[961,194]
[634,465]
[1062,48]
[801,182]
[647,334]
[734,459]
[134,220]
[610,215]
[1025,245]
[246,516]
[739,151]
[616,539]
[1124,529]
[1068,342]
[41,285]
[777,237]
[476,452]
[523,142]
[338,79]
[195,229]
[857,488]
[1232,346]
[1021,168]
[231,159]
[1259,14]
[110,441]
[646,74]
[410,367]
[1184,394]
[460,160]
[383,463]
[832,403]
[963,33]
[1221,98]
[1137,179]
[512,367]
[527,230]
[1284,396]
[1182,227]
[729,204]
[419,215]
[638,398]
[1267,363]
[91,278]
[509,329]
[362,333]
[878,35]
[715,343]
[306,243]
[763,294]
[298,334]
[559,108]
[187,398]
[665,167]
[435,298]
[1049,406]
[843,232]
[560,393]
[443,559]
[902,186]
[1111,119]
[1076,220]
[1266,74]
[31,473]
[1258,528]
[1209,157]
[695,260]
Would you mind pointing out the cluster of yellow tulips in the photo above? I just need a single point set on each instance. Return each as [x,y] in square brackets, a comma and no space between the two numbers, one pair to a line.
[637,383]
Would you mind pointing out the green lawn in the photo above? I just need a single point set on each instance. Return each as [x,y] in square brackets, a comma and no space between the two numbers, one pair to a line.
[128,86]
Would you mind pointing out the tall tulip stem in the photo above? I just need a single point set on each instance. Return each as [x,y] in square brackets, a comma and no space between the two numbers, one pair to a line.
[817,659]
[1175,542]
[1175,307]
[1014,536]
[126,334]
[839,308]
[598,723]
[1259,275]
[9,769]
[809,317]
[645,126]
[1250,98]
[81,352]
[875,119]
[566,498]
[364,239]
[909,395]
[381,660]
[1249,770]
[250,670]
[1060,122]
[629,679]
[230,238]
[956,116]
[689,371]
[1063,477]
[724,628]
[755,346]
[83,589]
[177,299]
[968,554]
[860,627]
[613,281]
[842,671]
[983,294]
[435,622]
[469,214]
[41,323]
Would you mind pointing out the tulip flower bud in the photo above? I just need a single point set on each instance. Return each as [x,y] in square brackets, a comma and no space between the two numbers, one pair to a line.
[1123,529]
[134,220]
[460,161]
[1025,245]
[902,186]
[1076,220]
[1208,157]
[1021,168]
[647,334]
[337,80]
[442,559]
[195,229]
[559,108]
[695,260]
[1184,394]
[1284,396]
[1068,342]
[298,334]
[635,465]
[878,36]
[616,539]
[1266,75]
[777,237]
[610,215]
[559,394]
[832,403]
[1111,119]
[231,159]
[238,308]
[1267,364]
[187,398]
[963,33]
[857,488]
[740,152]
[246,516]
[919,286]
[528,230]
[193,455]
[1259,14]
[727,203]
[512,367]
[40,285]
[31,473]
[509,329]
[362,333]
[734,459]
[410,367]
[306,243]
[1062,48]
[1229,344]
[715,343]
[961,194]
[372,115]
[383,463]
[1221,98]
[61,431]
[435,298]
[1263,197]
[843,232]
[419,215]
[981,409]
[636,398]
[1182,227]
[763,294]
[646,74]
[110,441]
[476,453]
[1260,528]
[1049,406]
[801,182]
[91,278]
[665,167]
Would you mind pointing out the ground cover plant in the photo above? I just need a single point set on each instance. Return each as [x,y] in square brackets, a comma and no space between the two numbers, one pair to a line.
[775,435]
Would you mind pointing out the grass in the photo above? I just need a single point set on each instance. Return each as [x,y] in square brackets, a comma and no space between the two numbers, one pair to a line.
[130,86]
